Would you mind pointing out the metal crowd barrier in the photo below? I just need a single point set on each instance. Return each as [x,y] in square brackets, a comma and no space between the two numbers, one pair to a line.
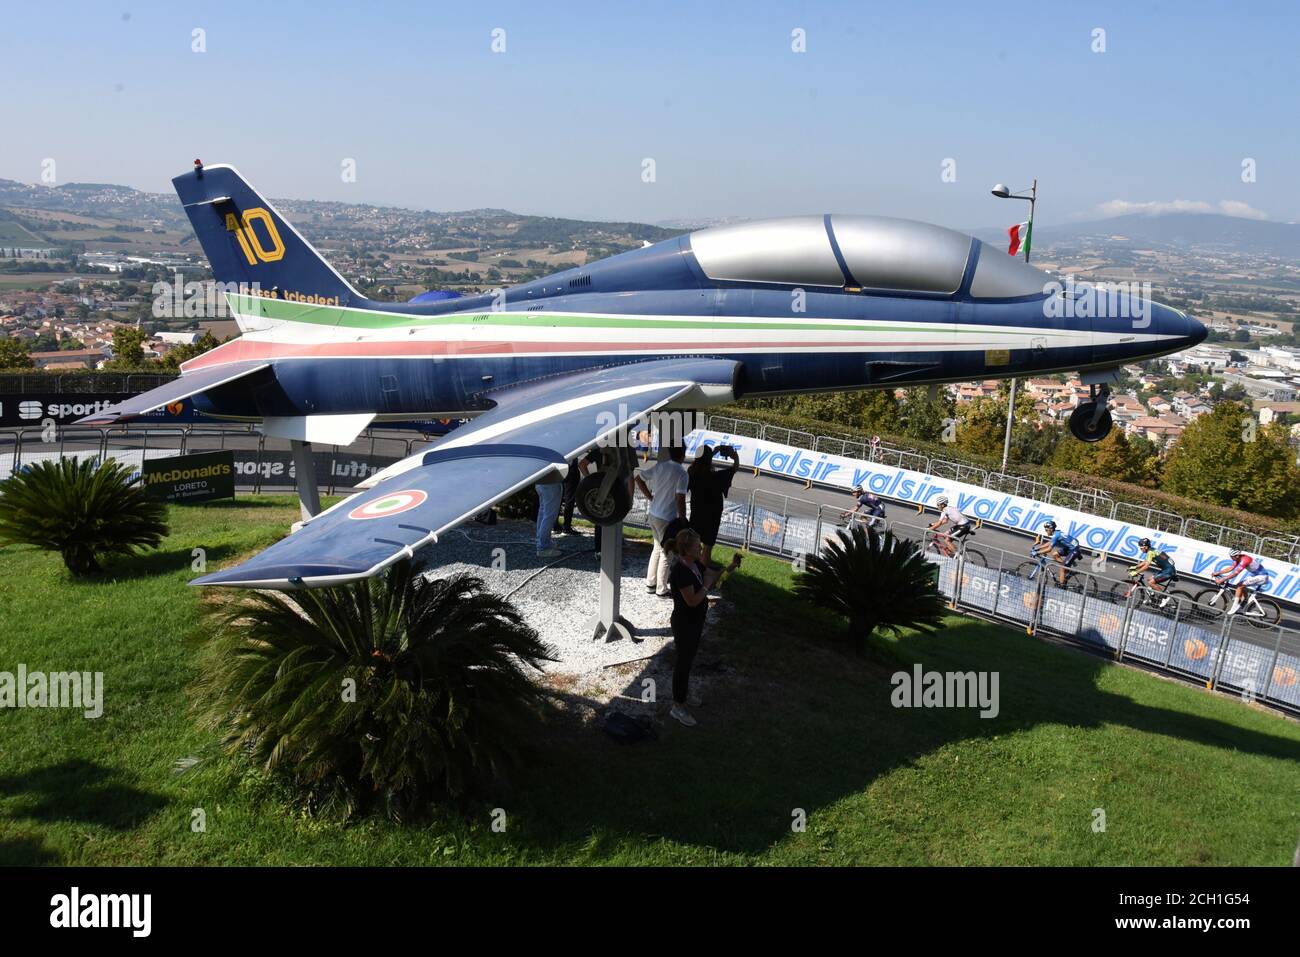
[262,464]
[1182,638]
[1093,501]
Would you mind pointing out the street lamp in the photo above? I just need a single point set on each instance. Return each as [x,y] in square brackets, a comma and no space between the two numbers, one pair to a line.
[1001,192]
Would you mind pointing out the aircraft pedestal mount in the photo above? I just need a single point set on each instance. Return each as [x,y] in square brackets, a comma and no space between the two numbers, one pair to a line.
[607,621]
[304,468]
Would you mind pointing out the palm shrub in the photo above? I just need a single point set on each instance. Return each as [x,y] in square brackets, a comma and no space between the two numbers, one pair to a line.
[84,510]
[875,581]
[390,692]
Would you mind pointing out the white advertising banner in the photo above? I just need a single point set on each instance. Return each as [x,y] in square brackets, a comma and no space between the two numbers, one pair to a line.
[1096,534]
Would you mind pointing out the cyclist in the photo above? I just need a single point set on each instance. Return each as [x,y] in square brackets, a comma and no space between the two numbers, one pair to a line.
[868,503]
[1165,572]
[961,525]
[1253,575]
[1064,548]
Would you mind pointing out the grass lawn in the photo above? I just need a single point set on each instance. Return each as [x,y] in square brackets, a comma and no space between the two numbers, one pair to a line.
[790,722]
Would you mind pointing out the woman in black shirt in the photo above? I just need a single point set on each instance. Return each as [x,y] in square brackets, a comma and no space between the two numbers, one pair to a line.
[689,581]
[708,494]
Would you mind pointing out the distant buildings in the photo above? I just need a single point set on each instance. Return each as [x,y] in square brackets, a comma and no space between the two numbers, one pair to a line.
[1270,412]
[1282,358]
[71,359]
[1163,431]
[1257,388]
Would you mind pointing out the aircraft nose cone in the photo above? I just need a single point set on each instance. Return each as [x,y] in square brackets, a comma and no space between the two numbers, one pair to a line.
[1175,322]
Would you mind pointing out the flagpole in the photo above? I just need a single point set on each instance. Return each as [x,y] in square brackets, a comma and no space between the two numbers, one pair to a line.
[1011,403]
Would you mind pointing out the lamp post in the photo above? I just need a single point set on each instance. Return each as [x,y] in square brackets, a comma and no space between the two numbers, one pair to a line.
[1001,192]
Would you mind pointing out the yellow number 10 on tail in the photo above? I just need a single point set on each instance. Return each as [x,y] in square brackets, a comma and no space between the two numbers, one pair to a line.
[250,242]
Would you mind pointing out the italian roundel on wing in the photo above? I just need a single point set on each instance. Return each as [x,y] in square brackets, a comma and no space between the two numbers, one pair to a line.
[394,503]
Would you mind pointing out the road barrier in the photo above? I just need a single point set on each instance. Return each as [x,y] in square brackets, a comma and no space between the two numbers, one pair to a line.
[1010,511]
[1094,501]
[262,464]
[1184,638]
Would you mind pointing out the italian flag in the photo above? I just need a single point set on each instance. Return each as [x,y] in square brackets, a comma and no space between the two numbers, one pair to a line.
[1019,234]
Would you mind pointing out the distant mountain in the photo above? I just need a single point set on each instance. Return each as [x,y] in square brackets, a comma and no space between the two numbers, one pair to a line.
[1204,231]
[332,219]
[94,199]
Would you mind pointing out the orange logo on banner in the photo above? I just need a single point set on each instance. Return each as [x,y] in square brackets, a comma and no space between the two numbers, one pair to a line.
[1195,649]
[1108,622]
[1285,676]
[175,408]
[771,526]
[1030,599]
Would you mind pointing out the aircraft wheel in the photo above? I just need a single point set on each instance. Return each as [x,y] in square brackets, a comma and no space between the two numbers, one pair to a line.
[1083,427]
[603,509]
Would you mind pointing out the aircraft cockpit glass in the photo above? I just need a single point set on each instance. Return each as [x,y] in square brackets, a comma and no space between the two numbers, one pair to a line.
[999,276]
[878,252]
[886,253]
[794,251]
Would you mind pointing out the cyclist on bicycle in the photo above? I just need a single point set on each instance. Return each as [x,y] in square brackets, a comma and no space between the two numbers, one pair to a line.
[868,504]
[1064,548]
[1165,571]
[1253,575]
[961,525]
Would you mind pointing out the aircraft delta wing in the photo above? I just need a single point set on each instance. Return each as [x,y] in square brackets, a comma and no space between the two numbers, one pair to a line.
[533,431]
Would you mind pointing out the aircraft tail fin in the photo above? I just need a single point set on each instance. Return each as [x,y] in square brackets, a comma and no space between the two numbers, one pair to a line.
[249,244]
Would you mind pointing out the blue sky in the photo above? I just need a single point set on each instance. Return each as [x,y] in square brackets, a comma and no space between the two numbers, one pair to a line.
[737,123]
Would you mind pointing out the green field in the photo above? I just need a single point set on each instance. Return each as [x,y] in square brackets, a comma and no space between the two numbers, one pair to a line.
[1183,776]
[14,233]
[31,280]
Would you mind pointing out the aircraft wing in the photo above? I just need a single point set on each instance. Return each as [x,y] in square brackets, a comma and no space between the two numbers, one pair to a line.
[187,385]
[533,430]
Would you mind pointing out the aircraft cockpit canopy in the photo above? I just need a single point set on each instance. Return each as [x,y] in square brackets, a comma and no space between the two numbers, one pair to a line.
[878,253]
[871,252]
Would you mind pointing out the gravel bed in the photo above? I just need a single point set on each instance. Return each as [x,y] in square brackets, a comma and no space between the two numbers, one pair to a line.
[559,596]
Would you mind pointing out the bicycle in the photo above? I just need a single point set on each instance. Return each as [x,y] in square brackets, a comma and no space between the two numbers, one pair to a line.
[1157,599]
[953,546]
[1076,582]
[876,522]
[1260,612]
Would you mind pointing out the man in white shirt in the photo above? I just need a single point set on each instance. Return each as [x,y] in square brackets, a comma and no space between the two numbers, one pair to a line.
[666,490]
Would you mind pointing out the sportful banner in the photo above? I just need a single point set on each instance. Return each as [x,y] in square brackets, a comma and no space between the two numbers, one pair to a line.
[996,508]
[31,410]
[34,409]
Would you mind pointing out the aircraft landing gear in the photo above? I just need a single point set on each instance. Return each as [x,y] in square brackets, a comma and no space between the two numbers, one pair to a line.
[604,498]
[1091,421]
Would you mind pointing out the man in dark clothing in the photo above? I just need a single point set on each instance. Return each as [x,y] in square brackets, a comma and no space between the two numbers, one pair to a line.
[709,490]
[570,498]
[867,505]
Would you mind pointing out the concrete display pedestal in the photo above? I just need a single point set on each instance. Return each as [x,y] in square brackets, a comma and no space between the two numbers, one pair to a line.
[304,468]
[608,622]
